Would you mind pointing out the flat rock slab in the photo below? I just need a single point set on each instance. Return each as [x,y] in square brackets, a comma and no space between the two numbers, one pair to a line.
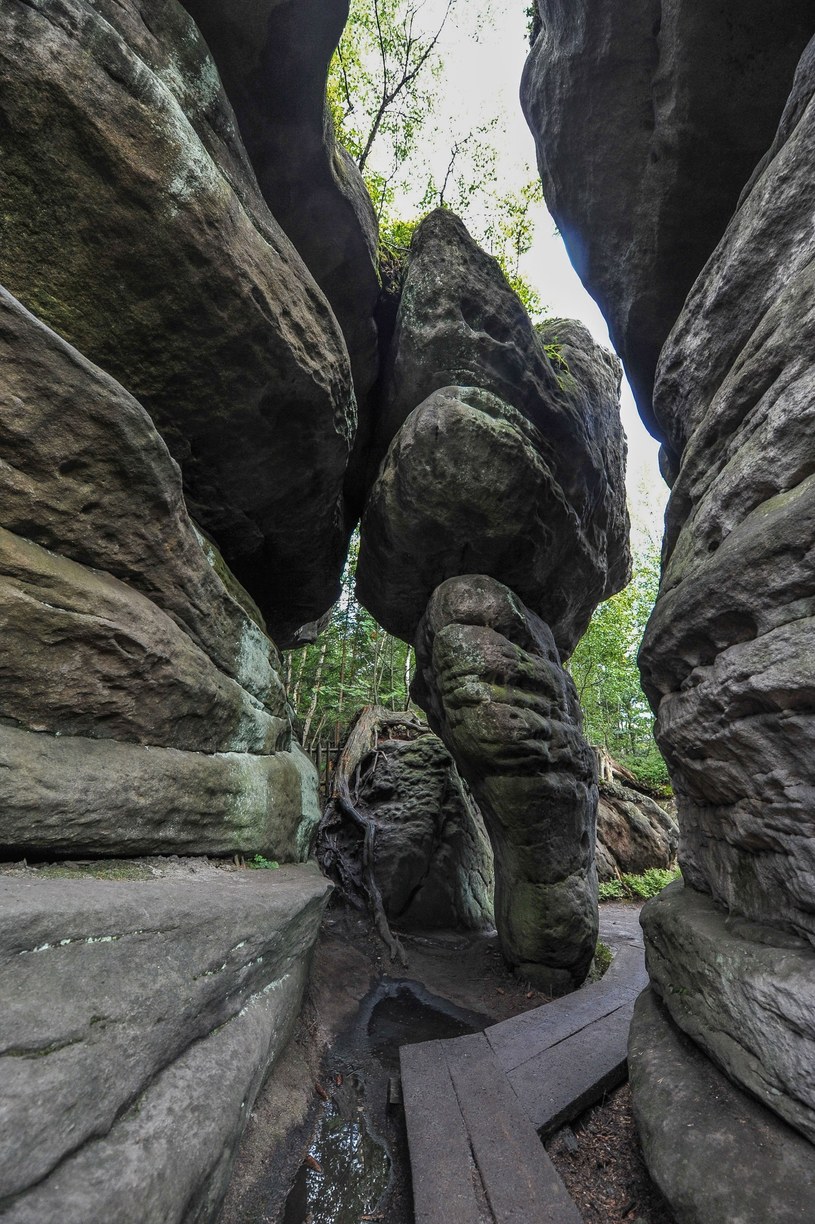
[125,1099]
[718,1156]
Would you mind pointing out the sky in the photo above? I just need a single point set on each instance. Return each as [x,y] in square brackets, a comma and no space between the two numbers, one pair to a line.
[480,81]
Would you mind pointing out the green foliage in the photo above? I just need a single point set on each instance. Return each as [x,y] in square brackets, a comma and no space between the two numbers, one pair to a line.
[263,864]
[611,890]
[603,956]
[353,664]
[617,715]
[382,85]
[650,882]
[638,887]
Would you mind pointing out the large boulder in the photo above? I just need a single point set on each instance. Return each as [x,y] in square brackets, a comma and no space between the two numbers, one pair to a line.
[502,460]
[718,1155]
[133,225]
[743,992]
[727,655]
[125,1100]
[634,832]
[649,118]
[491,681]
[433,861]
[142,706]
[273,57]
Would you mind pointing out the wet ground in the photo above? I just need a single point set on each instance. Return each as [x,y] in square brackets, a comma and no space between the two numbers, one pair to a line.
[326,1142]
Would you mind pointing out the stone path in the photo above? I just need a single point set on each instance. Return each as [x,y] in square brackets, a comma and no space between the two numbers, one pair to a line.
[477,1107]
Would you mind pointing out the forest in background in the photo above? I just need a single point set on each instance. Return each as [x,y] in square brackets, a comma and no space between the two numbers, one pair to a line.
[356,663]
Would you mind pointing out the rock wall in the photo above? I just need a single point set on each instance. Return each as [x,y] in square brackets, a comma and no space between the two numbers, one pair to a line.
[133,225]
[726,659]
[649,119]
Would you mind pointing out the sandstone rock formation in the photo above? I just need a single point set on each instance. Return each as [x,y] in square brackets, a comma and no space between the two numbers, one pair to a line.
[482,474]
[133,225]
[125,1099]
[433,861]
[491,681]
[273,58]
[727,656]
[721,980]
[715,1152]
[142,704]
[634,832]
[649,120]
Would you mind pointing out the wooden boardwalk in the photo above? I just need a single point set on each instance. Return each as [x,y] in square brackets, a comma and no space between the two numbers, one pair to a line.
[477,1107]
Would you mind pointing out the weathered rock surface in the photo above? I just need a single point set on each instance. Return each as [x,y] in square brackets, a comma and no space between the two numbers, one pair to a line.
[124,1100]
[141,703]
[634,832]
[744,993]
[433,859]
[491,682]
[649,120]
[727,657]
[718,1156]
[133,225]
[273,58]
[86,475]
[483,474]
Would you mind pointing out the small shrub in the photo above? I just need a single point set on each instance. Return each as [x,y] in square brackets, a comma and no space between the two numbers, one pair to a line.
[638,887]
[650,882]
[264,864]
[603,956]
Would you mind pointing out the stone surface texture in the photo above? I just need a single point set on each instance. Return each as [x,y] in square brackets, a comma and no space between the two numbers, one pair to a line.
[745,993]
[273,59]
[718,1156]
[142,705]
[634,832]
[513,468]
[727,659]
[433,860]
[125,1100]
[490,678]
[133,225]
[649,119]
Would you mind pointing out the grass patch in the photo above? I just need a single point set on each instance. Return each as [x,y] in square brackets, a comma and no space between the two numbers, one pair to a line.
[639,887]
[113,870]
[603,956]
[263,864]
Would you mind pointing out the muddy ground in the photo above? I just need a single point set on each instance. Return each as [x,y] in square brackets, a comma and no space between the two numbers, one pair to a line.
[330,1094]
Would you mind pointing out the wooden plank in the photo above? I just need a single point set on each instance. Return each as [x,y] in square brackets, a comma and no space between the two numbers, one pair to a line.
[564,1080]
[522,1038]
[446,1185]
[522,1184]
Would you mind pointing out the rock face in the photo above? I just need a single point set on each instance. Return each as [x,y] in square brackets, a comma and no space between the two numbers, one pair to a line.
[721,981]
[133,225]
[633,832]
[141,702]
[273,58]
[482,474]
[491,681]
[433,859]
[649,120]
[717,1155]
[125,1100]
[727,656]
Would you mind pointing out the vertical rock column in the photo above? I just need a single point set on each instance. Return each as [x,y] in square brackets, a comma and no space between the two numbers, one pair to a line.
[491,681]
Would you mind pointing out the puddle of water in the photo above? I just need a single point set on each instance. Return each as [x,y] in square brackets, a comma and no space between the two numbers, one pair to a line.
[405,1018]
[353,1168]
